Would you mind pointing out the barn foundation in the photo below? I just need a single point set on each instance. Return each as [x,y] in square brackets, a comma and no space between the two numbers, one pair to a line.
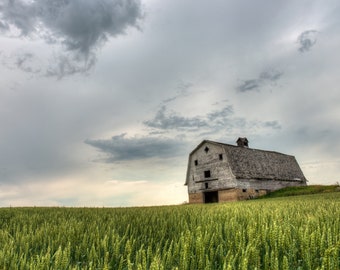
[227,195]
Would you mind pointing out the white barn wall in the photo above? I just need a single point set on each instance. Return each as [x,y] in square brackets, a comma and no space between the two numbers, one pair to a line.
[221,174]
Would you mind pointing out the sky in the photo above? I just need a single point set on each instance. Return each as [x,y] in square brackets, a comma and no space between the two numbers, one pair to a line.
[101,101]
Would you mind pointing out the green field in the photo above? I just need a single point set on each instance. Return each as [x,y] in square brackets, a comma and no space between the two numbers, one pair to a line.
[302,190]
[301,232]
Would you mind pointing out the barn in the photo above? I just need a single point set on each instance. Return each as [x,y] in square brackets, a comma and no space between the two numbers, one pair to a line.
[219,172]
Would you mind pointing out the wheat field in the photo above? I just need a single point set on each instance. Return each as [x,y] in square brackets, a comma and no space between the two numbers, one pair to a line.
[301,232]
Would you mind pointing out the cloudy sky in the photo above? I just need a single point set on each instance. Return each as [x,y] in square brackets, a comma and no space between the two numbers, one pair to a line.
[102,100]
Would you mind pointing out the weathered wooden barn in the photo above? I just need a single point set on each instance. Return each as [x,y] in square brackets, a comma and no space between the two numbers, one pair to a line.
[219,172]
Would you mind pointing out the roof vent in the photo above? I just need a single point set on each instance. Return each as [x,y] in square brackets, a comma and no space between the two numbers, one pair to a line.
[242,142]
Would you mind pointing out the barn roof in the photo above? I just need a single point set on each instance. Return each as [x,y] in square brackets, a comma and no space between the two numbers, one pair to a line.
[248,163]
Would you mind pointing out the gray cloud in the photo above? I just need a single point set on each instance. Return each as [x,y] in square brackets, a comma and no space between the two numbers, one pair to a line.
[183,90]
[155,145]
[79,26]
[266,77]
[211,123]
[162,120]
[66,65]
[270,75]
[121,148]
[20,14]
[4,26]
[223,113]
[272,124]
[307,40]
[25,62]
[59,66]
[249,85]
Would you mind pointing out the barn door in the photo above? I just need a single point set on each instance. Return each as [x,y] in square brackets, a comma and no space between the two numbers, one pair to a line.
[211,197]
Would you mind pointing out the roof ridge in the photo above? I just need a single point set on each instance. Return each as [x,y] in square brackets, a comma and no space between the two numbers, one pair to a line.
[249,148]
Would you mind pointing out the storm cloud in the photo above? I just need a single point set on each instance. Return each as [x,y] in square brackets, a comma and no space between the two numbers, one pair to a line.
[80,27]
[122,148]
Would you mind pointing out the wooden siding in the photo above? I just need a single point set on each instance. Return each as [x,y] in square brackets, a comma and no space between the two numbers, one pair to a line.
[221,176]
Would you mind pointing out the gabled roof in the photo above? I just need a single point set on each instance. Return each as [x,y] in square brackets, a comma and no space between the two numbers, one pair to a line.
[248,163]
[259,164]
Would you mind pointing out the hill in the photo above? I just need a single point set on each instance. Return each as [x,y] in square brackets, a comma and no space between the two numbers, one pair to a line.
[306,190]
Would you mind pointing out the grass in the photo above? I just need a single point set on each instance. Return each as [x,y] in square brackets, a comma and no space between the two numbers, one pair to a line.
[306,190]
[301,232]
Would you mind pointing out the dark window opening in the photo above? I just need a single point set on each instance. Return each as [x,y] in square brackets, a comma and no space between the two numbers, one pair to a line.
[196,162]
[256,190]
[206,185]
[207,174]
[220,156]
[206,149]
[244,190]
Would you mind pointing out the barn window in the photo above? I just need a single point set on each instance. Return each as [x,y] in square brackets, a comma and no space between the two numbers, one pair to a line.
[244,190]
[256,190]
[207,174]
[206,185]
[196,162]
[220,156]
[206,149]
